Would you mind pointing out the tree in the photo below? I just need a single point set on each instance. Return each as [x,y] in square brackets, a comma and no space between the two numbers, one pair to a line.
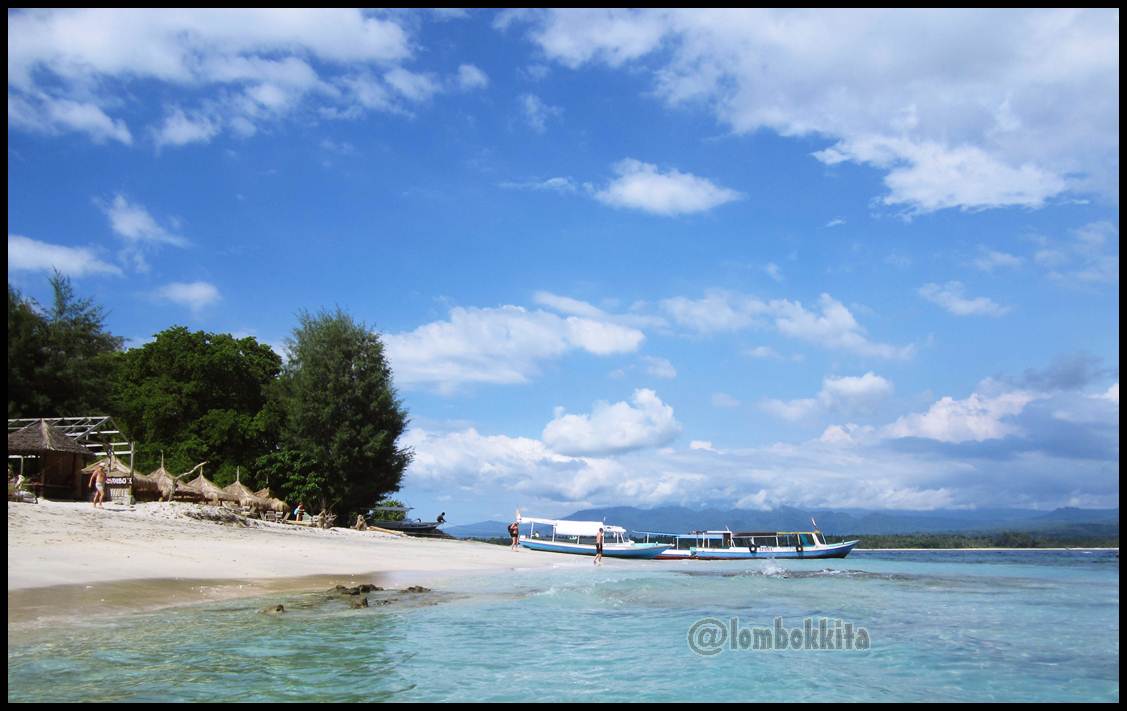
[60,360]
[198,396]
[341,418]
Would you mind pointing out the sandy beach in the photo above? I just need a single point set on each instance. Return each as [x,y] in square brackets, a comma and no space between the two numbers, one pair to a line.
[69,556]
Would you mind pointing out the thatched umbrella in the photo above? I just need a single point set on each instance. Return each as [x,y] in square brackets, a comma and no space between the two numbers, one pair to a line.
[275,503]
[211,491]
[171,487]
[144,484]
[245,496]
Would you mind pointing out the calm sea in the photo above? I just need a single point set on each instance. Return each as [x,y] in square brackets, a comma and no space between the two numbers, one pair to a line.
[940,626]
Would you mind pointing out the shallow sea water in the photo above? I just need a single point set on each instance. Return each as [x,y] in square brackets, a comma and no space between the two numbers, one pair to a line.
[941,626]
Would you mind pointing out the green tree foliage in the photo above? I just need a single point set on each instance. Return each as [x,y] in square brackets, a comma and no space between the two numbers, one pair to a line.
[199,396]
[340,416]
[60,359]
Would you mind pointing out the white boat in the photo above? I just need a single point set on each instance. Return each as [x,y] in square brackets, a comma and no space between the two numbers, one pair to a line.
[728,545]
[578,538]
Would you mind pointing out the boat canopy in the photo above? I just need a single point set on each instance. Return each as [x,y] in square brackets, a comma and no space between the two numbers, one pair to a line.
[574,528]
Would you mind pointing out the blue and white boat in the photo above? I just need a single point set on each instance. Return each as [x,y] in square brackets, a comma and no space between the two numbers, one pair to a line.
[578,538]
[729,545]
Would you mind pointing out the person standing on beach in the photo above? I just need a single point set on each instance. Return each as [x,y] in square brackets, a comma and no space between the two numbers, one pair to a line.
[514,533]
[599,547]
[98,480]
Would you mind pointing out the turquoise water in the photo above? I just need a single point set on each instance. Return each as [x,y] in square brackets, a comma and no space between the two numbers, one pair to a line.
[943,626]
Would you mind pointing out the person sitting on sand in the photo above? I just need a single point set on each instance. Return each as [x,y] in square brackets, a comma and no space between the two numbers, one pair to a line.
[514,532]
[299,512]
[98,480]
[361,524]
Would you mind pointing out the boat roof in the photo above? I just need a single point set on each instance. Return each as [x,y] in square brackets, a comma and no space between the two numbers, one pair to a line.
[573,528]
[745,534]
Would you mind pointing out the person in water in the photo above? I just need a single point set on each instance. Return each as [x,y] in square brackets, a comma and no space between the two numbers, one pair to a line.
[599,547]
[514,533]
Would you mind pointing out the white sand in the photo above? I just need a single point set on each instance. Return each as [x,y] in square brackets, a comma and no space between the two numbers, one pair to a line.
[63,543]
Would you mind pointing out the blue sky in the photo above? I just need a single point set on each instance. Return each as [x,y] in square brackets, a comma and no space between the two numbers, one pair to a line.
[747,258]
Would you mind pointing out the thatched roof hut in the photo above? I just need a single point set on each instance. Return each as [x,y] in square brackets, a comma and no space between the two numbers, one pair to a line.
[42,438]
[276,504]
[211,491]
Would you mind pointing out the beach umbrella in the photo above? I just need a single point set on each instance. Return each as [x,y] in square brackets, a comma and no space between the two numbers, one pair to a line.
[276,504]
[245,496]
[142,483]
[211,491]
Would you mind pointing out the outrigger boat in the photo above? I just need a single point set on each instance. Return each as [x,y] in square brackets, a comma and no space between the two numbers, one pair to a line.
[578,537]
[728,545]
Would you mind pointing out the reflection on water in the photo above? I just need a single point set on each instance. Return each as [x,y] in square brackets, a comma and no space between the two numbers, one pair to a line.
[943,626]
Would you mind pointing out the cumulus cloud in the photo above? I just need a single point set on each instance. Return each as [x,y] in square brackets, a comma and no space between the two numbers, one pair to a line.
[832,325]
[950,297]
[614,428]
[196,295]
[72,69]
[977,418]
[501,345]
[967,109]
[990,259]
[26,254]
[642,186]
[470,77]
[847,394]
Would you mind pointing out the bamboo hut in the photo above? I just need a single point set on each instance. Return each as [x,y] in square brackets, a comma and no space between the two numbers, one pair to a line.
[60,458]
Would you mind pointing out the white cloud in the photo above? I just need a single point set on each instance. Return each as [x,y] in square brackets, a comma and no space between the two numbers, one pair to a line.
[470,78]
[40,113]
[960,108]
[179,129]
[559,184]
[702,445]
[537,113]
[979,417]
[413,86]
[950,297]
[641,186]
[502,345]
[613,428]
[26,254]
[847,394]
[68,69]
[834,327]
[724,400]
[837,221]
[659,367]
[196,295]
[774,271]
[990,259]
[134,223]
[763,352]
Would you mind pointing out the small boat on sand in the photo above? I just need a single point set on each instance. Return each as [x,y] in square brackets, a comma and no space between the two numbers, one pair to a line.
[578,537]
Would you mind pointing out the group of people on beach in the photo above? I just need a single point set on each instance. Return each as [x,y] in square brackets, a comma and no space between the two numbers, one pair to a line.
[514,533]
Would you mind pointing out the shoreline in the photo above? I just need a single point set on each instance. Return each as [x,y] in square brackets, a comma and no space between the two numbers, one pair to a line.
[66,559]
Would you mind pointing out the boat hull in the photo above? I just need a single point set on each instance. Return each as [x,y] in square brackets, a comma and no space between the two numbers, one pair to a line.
[637,550]
[830,551]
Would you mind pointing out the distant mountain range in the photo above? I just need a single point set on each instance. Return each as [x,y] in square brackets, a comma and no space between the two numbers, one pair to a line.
[678,519]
